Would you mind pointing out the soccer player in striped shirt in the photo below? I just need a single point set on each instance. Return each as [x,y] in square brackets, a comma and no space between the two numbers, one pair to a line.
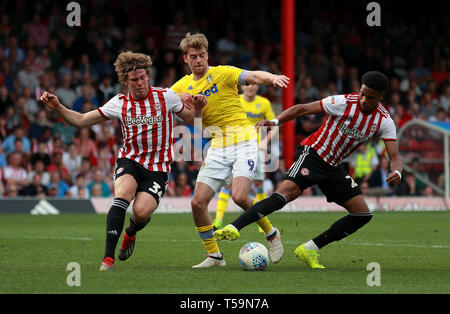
[351,120]
[143,161]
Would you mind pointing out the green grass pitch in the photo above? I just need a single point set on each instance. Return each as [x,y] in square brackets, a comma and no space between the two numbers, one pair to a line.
[412,249]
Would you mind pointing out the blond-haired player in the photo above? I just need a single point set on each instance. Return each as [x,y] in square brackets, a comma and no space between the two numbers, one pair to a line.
[146,116]
[234,149]
[257,108]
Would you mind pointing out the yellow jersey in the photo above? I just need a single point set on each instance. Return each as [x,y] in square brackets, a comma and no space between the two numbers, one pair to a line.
[257,110]
[223,116]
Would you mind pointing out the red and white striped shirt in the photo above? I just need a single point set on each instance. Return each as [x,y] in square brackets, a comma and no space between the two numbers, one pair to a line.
[147,126]
[346,127]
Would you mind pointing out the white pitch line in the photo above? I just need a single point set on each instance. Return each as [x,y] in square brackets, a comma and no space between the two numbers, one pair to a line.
[45,237]
[433,246]
[355,243]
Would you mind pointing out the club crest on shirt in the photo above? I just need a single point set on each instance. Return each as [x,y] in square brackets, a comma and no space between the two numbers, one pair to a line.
[373,128]
[209,78]
[304,172]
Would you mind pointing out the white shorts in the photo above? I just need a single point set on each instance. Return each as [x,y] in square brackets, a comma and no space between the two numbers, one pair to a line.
[223,163]
[260,171]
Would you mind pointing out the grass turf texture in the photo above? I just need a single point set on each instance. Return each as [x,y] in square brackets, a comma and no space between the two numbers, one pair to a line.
[412,249]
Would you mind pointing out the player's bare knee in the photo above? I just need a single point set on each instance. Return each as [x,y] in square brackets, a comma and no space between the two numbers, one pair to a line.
[242,200]
[198,204]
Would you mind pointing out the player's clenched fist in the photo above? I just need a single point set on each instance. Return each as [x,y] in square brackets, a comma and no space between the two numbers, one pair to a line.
[49,100]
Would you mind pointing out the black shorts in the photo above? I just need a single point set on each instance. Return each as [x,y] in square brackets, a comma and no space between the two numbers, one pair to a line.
[152,182]
[309,169]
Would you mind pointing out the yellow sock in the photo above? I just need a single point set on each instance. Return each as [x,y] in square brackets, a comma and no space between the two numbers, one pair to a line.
[206,234]
[222,203]
[265,224]
[260,196]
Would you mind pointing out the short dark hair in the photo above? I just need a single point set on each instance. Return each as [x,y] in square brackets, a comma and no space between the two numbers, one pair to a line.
[375,80]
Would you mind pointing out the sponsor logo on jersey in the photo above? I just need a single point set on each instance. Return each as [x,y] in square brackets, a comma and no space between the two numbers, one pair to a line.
[253,115]
[353,133]
[210,91]
[143,120]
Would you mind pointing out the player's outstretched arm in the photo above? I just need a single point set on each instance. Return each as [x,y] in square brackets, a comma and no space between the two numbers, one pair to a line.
[293,113]
[79,120]
[266,78]
[394,177]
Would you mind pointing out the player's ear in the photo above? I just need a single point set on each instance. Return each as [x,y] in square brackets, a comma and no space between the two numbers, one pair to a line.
[185,58]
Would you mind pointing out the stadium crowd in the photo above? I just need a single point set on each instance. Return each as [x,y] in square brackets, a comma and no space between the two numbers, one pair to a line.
[41,155]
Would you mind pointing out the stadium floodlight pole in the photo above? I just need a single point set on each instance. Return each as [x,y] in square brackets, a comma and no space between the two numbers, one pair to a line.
[288,69]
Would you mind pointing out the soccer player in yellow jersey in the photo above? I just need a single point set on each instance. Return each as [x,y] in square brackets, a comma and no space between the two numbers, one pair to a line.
[257,108]
[234,149]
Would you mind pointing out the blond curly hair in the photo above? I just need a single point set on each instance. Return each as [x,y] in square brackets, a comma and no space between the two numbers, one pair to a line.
[196,41]
[130,61]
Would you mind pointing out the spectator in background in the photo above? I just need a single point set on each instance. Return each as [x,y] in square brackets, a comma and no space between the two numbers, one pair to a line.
[65,93]
[364,162]
[35,188]
[87,95]
[96,190]
[38,31]
[440,116]
[65,131]
[8,142]
[86,169]
[72,158]
[175,31]
[445,98]
[87,68]
[105,90]
[418,169]
[79,189]
[58,165]
[408,187]
[85,143]
[12,119]
[39,168]
[27,76]
[38,127]
[3,129]
[428,107]
[14,171]
[182,188]
[5,100]
[41,154]
[62,189]
[377,181]
[99,179]
[11,189]
[52,190]
[3,161]
[440,73]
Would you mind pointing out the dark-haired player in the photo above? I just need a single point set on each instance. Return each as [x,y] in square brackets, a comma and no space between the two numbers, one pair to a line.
[351,120]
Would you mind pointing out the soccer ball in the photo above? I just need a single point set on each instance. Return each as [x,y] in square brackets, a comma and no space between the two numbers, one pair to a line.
[254,256]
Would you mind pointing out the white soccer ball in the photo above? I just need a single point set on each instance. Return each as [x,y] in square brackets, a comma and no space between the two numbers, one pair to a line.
[254,256]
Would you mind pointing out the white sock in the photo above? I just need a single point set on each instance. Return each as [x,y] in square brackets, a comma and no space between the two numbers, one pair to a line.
[310,245]
[270,233]
[217,254]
